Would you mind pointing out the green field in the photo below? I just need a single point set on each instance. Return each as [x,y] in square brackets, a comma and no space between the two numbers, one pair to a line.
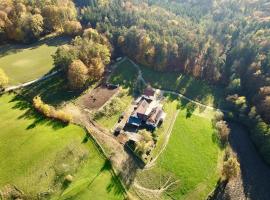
[191,156]
[37,153]
[125,74]
[186,85]
[24,63]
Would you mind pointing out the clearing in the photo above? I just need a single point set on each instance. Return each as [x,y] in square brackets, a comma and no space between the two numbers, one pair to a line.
[23,63]
[37,153]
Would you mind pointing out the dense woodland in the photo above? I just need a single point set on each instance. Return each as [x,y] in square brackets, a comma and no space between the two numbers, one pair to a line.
[224,42]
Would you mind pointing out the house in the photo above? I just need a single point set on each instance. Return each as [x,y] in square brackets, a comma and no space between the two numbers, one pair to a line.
[149,92]
[148,111]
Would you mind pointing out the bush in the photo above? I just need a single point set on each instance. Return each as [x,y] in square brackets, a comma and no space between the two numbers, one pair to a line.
[231,168]
[223,131]
[50,111]
[72,28]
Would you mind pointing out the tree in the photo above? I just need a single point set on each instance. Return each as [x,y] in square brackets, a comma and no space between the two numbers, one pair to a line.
[64,56]
[72,28]
[77,74]
[231,168]
[3,79]
[223,131]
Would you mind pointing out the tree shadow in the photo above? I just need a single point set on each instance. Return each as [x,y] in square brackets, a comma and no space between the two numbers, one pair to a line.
[36,118]
[53,90]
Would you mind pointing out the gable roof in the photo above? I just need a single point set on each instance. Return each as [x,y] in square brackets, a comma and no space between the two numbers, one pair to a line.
[142,107]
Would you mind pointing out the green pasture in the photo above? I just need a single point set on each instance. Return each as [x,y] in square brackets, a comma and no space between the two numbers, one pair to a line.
[36,154]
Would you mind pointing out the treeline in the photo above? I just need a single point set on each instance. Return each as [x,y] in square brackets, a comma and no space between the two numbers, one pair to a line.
[28,20]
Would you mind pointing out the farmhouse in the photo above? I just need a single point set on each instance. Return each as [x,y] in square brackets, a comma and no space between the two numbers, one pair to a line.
[148,111]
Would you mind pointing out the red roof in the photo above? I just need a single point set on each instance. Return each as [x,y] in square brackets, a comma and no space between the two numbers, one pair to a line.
[142,107]
[149,91]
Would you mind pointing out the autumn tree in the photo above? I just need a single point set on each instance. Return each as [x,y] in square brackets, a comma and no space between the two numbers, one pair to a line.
[3,79]
[77,74]
[223,131]
[72,28]
[230,168]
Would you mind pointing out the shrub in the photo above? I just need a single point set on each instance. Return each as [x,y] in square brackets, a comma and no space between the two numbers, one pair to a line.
[72,28]
[50,111]
[223,131]
[230,168]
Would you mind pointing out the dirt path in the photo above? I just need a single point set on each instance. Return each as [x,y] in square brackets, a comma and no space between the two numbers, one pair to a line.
[254,182]
[11,88]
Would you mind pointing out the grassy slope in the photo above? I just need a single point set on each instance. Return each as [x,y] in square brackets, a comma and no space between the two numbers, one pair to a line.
[190,157]
[125,75]
[30,147]
[187,85]
[24,63]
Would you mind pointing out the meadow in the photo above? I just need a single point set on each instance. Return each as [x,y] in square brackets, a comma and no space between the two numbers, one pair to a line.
[187,85]
[23,63]
[37,153]
[191,157]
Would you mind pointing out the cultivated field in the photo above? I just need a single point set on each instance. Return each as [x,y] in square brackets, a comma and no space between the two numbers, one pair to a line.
[36,154]
[24,63]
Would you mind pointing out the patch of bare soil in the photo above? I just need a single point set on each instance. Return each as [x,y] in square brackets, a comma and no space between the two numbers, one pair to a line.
[96,98]
[11,192]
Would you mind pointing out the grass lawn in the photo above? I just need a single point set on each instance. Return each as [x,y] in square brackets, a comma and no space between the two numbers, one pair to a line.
[186,85]
[36,153]
[191,157]
[125,75]
[24,63]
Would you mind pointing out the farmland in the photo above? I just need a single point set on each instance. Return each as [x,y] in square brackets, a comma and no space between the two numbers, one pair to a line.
[24,63]
[36,153]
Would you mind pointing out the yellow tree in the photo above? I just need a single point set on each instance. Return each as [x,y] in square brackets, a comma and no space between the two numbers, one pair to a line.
[3,79]
[77,74]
